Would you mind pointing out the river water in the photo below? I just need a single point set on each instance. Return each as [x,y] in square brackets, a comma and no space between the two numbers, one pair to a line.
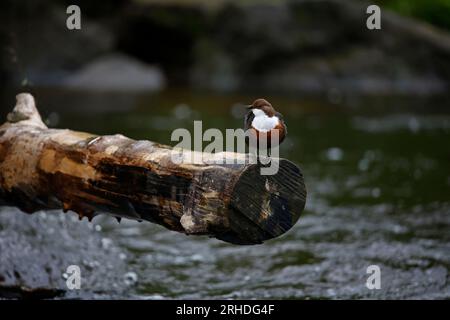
[378,180]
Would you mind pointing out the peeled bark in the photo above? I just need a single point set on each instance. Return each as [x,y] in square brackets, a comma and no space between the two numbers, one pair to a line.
[43,168]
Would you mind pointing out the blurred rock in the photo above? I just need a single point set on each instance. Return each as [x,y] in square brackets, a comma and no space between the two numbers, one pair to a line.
[316,46]
[117,72]
[290,46]
[37,47]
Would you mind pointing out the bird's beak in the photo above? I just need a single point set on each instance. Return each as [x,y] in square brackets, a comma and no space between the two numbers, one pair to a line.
[249,106]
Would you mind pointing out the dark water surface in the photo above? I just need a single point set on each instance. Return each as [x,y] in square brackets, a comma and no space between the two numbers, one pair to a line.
[378,178]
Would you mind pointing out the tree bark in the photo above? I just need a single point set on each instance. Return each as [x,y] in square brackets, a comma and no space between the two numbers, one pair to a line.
[42,168]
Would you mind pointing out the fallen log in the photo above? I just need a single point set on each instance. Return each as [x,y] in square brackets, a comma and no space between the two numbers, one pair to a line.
[42,168]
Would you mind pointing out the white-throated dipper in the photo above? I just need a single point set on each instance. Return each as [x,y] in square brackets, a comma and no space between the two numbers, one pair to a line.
[262,120]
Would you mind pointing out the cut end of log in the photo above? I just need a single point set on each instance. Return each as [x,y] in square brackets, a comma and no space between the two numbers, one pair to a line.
[265,207]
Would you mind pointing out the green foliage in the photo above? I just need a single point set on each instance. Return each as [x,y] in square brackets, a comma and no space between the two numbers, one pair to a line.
[436,12]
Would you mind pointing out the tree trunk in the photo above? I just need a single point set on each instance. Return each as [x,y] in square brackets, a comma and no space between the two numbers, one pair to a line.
[43,168]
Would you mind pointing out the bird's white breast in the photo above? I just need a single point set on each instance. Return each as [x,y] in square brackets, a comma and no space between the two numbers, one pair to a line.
[262,122]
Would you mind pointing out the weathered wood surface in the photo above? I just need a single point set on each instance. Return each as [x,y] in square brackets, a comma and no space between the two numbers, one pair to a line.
[43,168]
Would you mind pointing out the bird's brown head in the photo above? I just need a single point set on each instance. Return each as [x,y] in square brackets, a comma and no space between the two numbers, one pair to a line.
[264,105]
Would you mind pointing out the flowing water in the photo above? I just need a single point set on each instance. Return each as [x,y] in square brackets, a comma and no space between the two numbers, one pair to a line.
[378,178]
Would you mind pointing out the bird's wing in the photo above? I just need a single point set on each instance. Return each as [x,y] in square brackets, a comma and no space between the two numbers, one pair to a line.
[281,118]
[248,120]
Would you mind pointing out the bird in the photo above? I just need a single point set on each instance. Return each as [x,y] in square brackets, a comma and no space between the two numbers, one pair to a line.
[261,121]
